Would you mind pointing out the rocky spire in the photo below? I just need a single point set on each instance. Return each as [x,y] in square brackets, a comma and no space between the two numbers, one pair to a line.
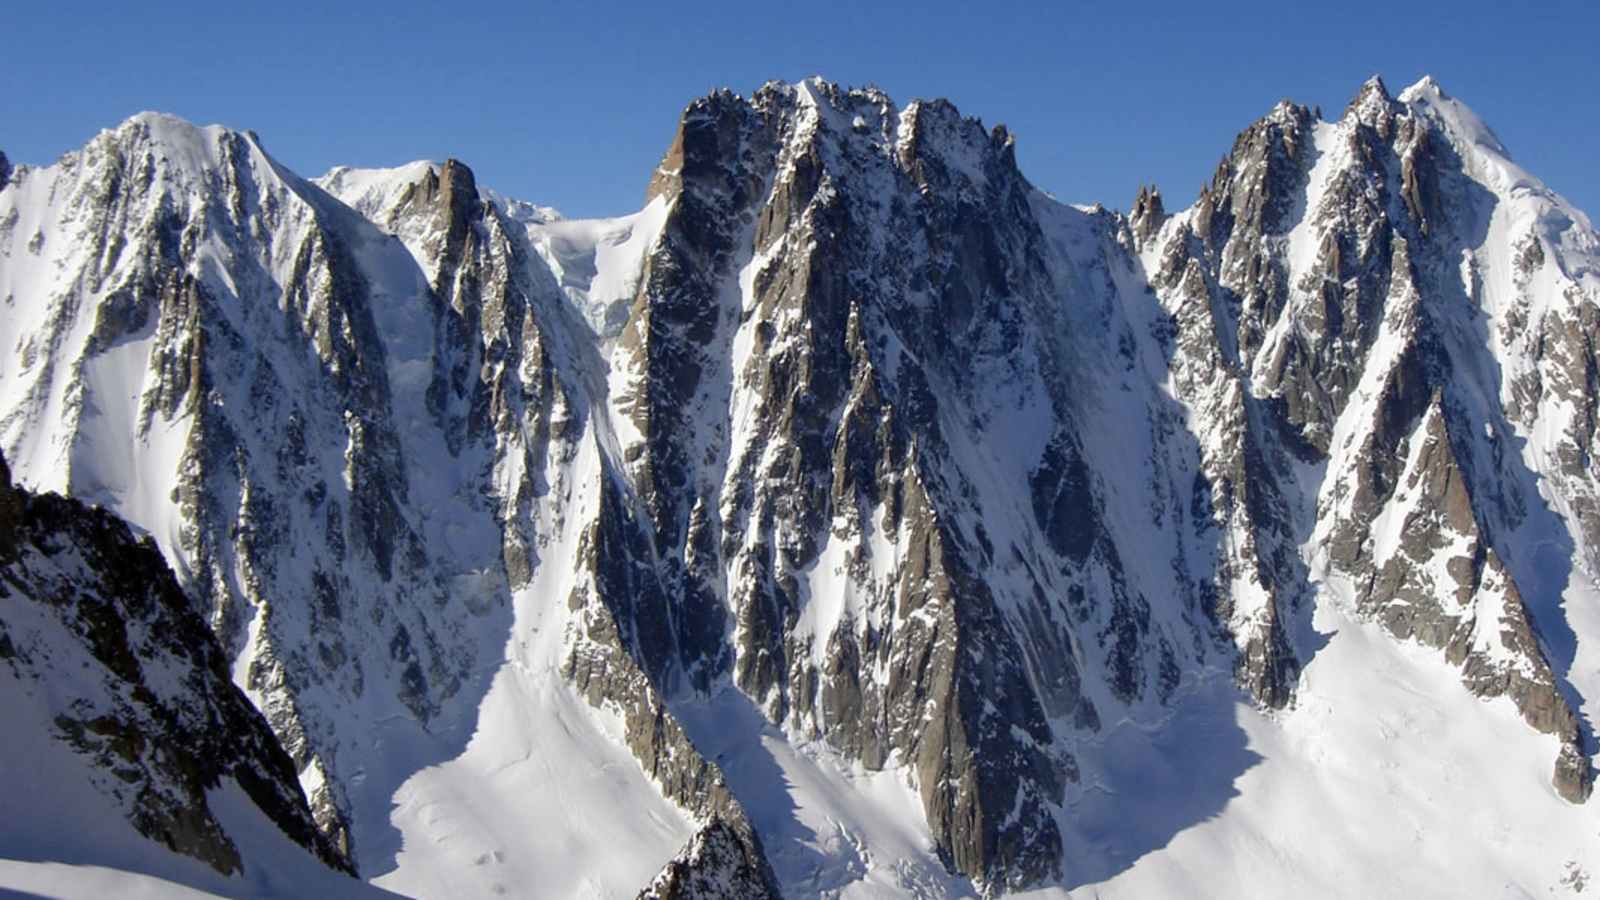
[454,192]
[5,171]
[1148,212]
[715,865]
[458,188]
[1373,105]
[1372,89]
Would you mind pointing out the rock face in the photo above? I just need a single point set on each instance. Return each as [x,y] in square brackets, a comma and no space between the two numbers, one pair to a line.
[1356,328]
[939,475]
[758,274]
[714,866]
[99,642]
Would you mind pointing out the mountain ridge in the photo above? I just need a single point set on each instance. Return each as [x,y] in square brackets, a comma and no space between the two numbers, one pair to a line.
[759,418]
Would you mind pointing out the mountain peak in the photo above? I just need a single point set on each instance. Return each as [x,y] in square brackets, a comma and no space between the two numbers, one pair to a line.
[170,129]
[1457,119]
[1426,86]
[1371,102]
[723,133]
[183,146]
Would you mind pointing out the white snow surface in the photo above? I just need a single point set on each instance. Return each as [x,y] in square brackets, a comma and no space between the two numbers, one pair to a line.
[1386,779]
[599,262]
[545,800]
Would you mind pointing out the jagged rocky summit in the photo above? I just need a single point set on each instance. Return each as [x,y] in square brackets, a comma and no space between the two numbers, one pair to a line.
[858,498]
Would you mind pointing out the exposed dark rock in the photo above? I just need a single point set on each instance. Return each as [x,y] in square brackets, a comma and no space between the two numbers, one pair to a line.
[1574,777]
[168,738]
[11,509]
[713,866]
[1148,214]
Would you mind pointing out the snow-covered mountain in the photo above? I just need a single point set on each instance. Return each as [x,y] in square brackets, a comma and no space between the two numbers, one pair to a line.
[855,519]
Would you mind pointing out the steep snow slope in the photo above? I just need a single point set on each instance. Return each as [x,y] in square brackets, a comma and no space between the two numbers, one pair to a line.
[546,792]
[1386,779]
[1508,277]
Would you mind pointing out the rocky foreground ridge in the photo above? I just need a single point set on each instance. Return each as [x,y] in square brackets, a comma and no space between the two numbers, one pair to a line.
[102,654]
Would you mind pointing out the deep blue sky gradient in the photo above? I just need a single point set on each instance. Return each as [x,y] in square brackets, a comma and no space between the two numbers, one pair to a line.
[571,104]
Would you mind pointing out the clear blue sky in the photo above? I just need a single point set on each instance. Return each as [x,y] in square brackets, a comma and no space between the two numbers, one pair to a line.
[572,104]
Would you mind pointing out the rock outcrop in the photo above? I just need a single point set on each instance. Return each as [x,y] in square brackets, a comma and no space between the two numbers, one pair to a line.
[98,640]
[714,866]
